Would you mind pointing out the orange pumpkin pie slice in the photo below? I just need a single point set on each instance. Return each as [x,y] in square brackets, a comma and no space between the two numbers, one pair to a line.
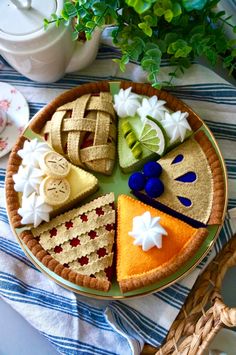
[171,243]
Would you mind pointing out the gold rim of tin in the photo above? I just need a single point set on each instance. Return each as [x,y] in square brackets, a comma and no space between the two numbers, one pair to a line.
[184,274]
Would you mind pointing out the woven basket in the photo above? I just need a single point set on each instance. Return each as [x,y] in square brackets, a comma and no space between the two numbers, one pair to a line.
[204,312]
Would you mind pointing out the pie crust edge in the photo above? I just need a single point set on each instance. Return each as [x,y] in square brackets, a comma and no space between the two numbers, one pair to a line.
[66,273]
[218,203]
[167,268]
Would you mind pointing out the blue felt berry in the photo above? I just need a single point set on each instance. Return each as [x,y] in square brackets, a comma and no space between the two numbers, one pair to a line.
[137,181]
[152,169]
[154,187]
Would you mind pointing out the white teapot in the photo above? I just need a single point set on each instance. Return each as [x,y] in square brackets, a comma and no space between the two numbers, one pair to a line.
[40,55]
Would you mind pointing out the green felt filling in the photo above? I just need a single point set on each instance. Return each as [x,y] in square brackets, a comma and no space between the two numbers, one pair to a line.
[127,161]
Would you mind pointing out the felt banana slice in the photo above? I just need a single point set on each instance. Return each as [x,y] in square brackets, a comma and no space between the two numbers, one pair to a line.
[55,191]
[54,165]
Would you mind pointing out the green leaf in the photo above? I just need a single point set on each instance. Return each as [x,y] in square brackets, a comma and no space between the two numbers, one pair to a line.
[158,11]
[90,24]
[168,15]
[183,52]
[233,53]
[198,29]
[232,42]
[140,6]
[211,56]
[70,9]
[162,45]
[234,29]
[221,44]
[45,23]
[65,15]
[145,28]
[54,17]
[99,20]
[58,22]
[150,20]
[167,4]
[147,63]
[156,85]
[176,9]
[88,35]
[154,53]
[99,8]
[174,46]
[170,37]
[228,60]
[120,63]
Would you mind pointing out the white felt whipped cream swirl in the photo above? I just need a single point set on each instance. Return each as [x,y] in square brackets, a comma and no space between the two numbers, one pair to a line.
[147,231]
[27,180]
[32,151]
[152,107]
[126,103]
[176,126]
[34,210]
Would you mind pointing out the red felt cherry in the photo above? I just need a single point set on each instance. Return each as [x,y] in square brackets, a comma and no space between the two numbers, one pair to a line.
[83,260]
[75,242]
[58,249]
[53,232]
[69,224]
[99,211]
[101,252]
[92,234]
[84,218]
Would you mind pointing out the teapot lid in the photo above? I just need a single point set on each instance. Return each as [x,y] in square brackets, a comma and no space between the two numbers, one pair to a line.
[20,21]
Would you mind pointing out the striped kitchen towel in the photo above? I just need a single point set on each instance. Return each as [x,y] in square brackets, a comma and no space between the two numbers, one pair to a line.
[79,325]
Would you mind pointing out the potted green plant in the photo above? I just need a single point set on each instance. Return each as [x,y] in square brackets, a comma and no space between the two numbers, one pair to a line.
[148,31]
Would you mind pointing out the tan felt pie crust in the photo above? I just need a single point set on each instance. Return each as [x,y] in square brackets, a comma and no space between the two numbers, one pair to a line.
[216,216]
[37,125]
[168,268]
[46,259]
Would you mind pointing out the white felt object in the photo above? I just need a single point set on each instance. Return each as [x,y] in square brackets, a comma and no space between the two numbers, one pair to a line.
[27,180]
[147,231]
[34,210]
[176,125]
[32,152]
[152,107]
[126,103]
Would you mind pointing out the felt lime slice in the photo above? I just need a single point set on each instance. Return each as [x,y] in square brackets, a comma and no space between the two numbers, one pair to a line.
[153,137]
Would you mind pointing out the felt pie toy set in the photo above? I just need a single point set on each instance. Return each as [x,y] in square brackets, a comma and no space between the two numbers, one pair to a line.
[115,185]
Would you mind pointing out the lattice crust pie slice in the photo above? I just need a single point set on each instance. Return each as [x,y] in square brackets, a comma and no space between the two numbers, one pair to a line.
[193,182]
[78,245]
[136,267]
[84,131]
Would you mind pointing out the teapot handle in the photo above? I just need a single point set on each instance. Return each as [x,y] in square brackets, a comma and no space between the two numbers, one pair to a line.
[84,53]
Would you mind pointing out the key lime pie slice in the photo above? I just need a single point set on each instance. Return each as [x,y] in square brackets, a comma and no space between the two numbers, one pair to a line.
[146,128]
[151,244]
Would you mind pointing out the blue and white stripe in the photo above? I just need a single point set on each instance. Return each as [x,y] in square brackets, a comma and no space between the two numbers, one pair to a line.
[119,327]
